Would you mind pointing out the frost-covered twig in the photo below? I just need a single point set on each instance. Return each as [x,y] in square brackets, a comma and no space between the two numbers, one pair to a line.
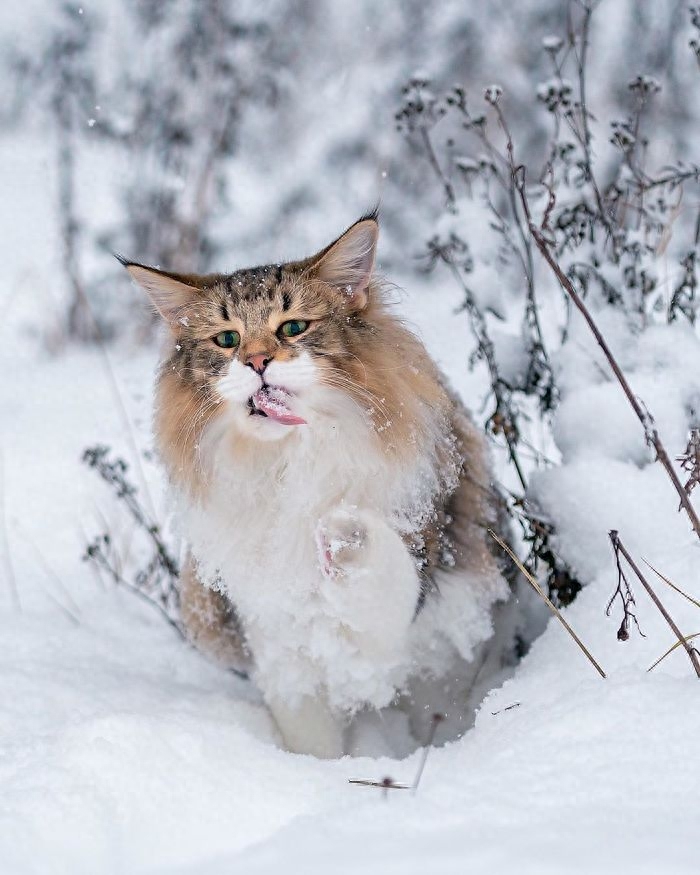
[619,548]
[690,461]
[684,299]
[157,581]
[604,238]
[503,419]
[542,237]
[99,552]
[114,474]
[420,112]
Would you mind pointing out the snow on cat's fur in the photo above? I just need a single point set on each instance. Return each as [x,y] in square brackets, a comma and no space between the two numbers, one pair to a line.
[334,494]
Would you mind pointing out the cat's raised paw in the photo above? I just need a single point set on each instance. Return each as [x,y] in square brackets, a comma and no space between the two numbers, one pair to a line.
[341,541]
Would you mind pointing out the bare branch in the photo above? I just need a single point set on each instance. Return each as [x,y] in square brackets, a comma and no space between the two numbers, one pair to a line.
[690,461]
[436,721]
[672,585]
[543,242]
[538,589]
[619,548]
[673,647]
[623,591]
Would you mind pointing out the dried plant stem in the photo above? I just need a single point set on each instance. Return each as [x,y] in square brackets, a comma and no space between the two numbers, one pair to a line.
[436,721]
[447,186]
[485,344]
[385,784]
[583,134]
[552,607]
[643,415]
[119,399]
[619,547]
[102,561]
[672,585]
[673,647]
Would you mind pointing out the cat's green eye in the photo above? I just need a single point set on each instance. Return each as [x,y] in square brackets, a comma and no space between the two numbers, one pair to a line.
[227,339]
[293,328]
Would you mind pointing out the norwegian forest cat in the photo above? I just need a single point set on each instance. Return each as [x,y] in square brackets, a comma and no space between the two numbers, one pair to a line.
[334,493]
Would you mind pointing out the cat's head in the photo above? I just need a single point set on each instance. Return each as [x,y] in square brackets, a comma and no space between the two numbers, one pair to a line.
[271,349]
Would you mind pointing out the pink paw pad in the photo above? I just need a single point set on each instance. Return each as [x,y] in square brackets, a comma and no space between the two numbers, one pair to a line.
[338,544]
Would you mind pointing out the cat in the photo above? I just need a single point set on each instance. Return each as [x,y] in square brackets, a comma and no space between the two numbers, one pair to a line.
[334,493]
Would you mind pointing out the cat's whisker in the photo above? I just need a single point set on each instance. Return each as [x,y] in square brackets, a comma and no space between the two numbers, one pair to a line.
[342,381]
[371,400]
[362,364]
[201,404]
[377,368]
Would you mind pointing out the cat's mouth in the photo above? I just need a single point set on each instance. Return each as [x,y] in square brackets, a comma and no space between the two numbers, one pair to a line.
[272,402]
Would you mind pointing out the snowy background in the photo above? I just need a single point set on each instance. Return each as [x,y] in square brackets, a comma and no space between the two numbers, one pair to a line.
[224,134]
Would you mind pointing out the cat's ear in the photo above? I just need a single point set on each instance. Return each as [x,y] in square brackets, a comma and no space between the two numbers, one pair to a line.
[347,264]
[169,292]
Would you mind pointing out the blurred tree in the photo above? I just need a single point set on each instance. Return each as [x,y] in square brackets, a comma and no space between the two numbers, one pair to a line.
[61,77]
[179,113]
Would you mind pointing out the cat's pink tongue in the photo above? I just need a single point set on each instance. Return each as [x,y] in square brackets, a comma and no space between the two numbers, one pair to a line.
[273,403]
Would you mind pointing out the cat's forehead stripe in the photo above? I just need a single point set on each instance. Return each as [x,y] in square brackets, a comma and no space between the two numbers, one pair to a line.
[256,283]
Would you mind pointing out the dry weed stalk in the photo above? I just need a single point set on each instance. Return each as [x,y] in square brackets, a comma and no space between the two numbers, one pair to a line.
[384,785]
[619,549]
[538,589]
[436,721]
[389,783]
[690,461]
[623,591]
[157,581]
[542,237]
[673,647]
[672,585]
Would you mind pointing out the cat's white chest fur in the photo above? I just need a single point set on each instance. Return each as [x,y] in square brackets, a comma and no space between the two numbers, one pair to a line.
[256,537]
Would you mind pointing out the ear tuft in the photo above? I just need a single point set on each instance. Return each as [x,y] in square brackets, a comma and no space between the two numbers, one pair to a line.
[347,264]
[168,293]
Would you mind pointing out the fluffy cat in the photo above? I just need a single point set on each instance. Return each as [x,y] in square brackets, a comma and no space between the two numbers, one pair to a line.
[333,492]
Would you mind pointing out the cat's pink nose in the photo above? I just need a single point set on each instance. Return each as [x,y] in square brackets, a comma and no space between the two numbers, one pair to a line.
[258,361]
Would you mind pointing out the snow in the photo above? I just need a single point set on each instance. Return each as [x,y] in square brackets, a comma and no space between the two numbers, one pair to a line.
[124,751]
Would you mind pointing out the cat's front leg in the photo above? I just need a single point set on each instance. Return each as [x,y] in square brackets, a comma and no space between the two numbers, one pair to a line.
[309,726]
[210,621]
[371,580]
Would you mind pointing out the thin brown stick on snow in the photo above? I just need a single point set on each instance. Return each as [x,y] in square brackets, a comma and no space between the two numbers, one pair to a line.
[436,721]
[385,784]
[620,549]
[643,415]
[552,607]
[672,584]
[672,648]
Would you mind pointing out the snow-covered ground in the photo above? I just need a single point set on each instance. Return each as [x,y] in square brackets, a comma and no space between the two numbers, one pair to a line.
[123,751]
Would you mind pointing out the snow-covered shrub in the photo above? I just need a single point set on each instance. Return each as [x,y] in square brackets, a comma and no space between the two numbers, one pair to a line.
[61,78]
[148,569]
[621,222]
[209,135]
[177,116]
